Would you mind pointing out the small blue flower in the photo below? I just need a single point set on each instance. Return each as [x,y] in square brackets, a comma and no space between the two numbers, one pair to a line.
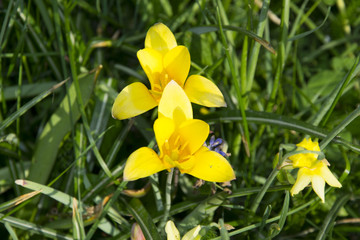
[216,144]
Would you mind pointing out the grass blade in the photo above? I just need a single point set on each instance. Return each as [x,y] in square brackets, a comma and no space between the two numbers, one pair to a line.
[279,121]
[59,124]
[203,210]
[59,196]
[330,217]
[138,211]
[28,105]
[334,96]
[34,228]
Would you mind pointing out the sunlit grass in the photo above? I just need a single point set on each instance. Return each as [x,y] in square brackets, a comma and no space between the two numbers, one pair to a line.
[287,70]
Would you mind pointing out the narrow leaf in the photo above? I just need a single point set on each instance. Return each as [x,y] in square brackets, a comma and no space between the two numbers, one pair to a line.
[330,217]
[59,124]
[59,196]
[28,105]
[142,217]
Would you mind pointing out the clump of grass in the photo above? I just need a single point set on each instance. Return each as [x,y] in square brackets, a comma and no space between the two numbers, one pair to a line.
[287,70]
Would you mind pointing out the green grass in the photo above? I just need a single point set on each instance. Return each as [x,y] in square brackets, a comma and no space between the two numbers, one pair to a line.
[287,70]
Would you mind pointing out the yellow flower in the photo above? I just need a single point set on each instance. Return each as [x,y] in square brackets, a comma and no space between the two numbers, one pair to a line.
[180,139]
[318,174]
[312,170]
[163,60]
[173,233]
[305,159]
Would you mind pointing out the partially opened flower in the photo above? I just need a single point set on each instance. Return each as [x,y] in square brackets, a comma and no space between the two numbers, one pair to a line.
[305,159]
[163,61]
[317,174]
[312,170]
[180,139]
[173,233]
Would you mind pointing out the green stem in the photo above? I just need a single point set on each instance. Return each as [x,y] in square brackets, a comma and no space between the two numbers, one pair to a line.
[235,82]
[256,225]
[167,198]
[256,49]
[263,190]
[105,210]
[78,95]
[272,176]
[339,128]
[281,53]
[334,96]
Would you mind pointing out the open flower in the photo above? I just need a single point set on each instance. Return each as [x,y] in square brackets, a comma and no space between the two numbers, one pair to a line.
[312,170]
[180,140]
[173,233]
[163,61]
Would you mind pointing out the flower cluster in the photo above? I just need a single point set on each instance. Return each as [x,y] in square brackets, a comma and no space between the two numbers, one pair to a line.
[180,138]
[311,170]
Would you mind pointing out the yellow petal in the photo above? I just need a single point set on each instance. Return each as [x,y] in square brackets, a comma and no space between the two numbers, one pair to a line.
[152,63]
[133,100]
[318,185]
[160,38]
[177,64]
[302,180]
[210,166]
[174,100]
[308,144]
[305,159]
[201,90]
[329,177]
[163,128]
[142,163]
[192,234]
[171,231]
[194,132]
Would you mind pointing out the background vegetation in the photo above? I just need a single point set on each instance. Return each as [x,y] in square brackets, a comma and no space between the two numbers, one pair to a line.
[304,81]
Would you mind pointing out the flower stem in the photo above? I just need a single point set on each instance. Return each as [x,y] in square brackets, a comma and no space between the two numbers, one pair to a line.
[167,198]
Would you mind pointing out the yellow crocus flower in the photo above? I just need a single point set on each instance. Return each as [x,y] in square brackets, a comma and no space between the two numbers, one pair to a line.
[305,159]
[312,170]
[163,61]
[180,139]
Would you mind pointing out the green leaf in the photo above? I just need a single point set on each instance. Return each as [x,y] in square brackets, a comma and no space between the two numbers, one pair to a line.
[59,124]
[78,224]
[142,217]
[335,95]
[16,201]
[59,196]
[206,29]
[27,90]
[330,217]
[223,232]
[34,228]
[273,119]
[11,231]
[304,34]
[28,105]
[283,215]
[205,209]
[7,180]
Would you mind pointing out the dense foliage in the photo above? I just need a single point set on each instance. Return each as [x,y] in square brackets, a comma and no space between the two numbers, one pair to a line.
[288,70]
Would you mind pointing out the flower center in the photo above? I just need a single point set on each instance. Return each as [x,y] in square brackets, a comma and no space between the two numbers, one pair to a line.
[160,83]
[175,151]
